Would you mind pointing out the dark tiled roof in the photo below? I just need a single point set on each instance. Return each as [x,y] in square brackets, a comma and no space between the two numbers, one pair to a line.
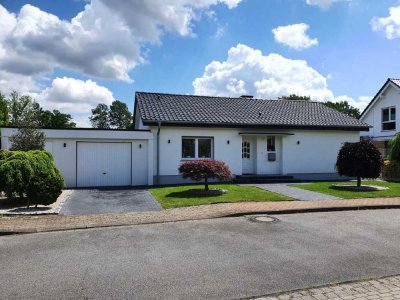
[240,112]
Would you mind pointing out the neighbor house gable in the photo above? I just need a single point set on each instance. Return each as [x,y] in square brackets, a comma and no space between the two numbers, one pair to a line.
[390,83]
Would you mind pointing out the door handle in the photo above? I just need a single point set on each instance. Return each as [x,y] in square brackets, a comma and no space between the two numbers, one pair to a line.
[104,173]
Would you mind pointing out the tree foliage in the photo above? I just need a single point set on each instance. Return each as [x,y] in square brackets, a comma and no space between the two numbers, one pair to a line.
[23,110]
[28,138]
[4,115]
[100,116]
[30,174]
[116,116]
[361,160]
[344,107]
[295,97]
[120,116]
[394,148]
[205,169]
[55,119]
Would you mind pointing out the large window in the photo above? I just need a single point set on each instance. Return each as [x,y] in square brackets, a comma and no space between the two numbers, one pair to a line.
[389,118]
[196,147]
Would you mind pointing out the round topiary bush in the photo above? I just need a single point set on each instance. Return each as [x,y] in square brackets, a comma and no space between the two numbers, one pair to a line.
[204,169]
[360,160]
[47,184]
[15,173]
[32,174]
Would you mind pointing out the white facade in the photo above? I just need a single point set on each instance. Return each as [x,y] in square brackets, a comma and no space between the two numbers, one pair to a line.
[304,153]
[389,97]
[90,158]
[83,156]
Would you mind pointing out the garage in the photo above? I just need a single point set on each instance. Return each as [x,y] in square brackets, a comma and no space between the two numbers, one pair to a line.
[104,164]
[97,157]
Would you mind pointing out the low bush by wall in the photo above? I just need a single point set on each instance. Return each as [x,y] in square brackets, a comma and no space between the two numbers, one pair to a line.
[391,170]
[31,174]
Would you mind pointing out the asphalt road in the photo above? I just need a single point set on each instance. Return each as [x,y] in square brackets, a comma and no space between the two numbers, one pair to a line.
[209,259]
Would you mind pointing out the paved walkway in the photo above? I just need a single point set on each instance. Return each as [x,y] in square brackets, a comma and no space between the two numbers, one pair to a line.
[293,192]
[21,224]
[385,289]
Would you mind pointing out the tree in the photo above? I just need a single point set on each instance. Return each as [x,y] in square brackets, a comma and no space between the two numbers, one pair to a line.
[28,138]
[120,116]
[23,110]
[55,119]
[295,97]
[204,169]
[100,116]
[361,160]
[4,115]
[344,107]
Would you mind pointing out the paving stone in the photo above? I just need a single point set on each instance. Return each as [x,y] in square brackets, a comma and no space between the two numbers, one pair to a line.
[377,289]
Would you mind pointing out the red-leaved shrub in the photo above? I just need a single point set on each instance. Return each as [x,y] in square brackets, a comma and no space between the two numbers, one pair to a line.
[205,169]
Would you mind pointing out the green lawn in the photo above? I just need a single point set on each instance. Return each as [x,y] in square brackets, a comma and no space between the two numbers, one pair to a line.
[326,188]
[177,196]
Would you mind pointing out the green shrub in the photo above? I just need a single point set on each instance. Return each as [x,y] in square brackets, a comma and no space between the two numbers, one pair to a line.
[361,160]
[47,184]
[31,173]
[15,173]
[394,148]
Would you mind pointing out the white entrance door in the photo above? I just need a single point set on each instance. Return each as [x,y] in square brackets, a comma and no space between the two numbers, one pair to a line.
[104,164]
[248,156]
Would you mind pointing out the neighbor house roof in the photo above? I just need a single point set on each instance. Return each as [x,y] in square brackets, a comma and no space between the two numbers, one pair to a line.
[389,81]
[188,110]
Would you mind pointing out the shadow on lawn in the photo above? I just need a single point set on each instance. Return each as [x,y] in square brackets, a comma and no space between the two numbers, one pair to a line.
[189,194]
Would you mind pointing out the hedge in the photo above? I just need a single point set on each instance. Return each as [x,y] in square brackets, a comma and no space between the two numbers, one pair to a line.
[32,174]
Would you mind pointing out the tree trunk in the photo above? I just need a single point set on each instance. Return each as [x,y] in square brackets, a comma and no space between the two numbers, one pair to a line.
[358,181]
[206,184]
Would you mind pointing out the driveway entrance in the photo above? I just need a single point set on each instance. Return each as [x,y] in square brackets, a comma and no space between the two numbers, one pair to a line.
[89,202]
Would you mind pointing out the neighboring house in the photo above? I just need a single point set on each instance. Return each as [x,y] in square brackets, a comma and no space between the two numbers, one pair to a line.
[253,136]
[381,113]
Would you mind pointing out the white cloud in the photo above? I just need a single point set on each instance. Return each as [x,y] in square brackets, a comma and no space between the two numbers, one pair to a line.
[390,25]
[248,71]
[324,4]
[105,40]
[74,96]
[294,36]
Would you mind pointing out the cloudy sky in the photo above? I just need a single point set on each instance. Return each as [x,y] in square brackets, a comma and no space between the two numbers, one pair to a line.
[72,54]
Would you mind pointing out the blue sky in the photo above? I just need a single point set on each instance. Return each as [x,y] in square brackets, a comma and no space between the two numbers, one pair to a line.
[73,54]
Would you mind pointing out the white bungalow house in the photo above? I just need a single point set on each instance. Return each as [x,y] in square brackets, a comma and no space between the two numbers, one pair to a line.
[299,139]
[381,113]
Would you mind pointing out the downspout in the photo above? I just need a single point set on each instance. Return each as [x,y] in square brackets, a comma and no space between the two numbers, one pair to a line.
[158,152]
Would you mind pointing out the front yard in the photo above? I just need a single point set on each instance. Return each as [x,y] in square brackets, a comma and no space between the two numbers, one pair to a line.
[326,188]
[178,196]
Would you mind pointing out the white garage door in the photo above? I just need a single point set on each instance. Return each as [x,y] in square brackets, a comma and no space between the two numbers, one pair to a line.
[104,164]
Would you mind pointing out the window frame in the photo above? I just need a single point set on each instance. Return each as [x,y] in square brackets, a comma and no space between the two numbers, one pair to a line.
[390,120]
[273,139]
[196,147]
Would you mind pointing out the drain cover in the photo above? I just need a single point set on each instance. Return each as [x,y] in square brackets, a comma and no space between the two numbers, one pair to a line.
[262,219]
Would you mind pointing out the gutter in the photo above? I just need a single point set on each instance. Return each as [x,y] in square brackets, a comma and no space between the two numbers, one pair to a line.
[158,152]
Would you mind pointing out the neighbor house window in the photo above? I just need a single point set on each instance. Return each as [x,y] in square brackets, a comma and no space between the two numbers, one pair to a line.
[196,147]
[271,144]
[389,118]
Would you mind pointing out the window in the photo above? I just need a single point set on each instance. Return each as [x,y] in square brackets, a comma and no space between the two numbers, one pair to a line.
[195,148]
[389,118]
[271,144]
[245,149]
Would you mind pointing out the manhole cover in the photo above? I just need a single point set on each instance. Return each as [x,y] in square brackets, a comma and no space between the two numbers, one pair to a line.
[262,219]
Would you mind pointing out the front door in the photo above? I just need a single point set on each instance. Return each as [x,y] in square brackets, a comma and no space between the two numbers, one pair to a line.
[248,156]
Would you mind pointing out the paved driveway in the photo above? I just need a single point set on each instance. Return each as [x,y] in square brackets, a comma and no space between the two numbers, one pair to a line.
[88,202]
